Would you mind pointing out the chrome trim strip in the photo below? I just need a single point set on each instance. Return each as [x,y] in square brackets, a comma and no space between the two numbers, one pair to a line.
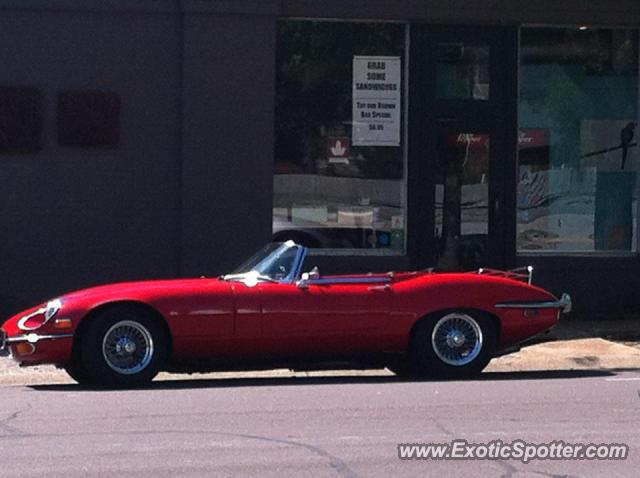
[50,310]
[520,273]
[350,280]
[35,338]
[564,303]
[24,319]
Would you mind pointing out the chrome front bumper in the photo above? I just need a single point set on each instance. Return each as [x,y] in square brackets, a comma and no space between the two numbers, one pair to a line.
[564,304]
[3,342]
[32,338]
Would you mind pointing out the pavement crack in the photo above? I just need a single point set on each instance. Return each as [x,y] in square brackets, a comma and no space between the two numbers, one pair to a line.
[6,429]
[511,471]
[335,462]
[443,429]
[553,475]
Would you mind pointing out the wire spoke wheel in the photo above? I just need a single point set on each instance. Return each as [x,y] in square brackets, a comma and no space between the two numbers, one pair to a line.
[127,347]
[457,339]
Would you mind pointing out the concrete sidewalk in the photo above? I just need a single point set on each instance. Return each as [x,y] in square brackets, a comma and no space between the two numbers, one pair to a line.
[575,354]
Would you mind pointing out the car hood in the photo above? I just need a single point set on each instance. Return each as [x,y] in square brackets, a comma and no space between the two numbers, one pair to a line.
[145,289]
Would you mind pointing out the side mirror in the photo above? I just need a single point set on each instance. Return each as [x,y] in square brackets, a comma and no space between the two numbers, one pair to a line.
[303,283]
[313,274]
[306,277]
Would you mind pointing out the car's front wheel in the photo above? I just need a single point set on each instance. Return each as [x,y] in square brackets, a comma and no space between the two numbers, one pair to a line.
[455,344]
[123,347]
[75,370]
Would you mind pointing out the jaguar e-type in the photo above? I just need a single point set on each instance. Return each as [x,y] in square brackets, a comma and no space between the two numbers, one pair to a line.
[269,314]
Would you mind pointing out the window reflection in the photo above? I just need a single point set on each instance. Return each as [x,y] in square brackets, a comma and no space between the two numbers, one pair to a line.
[331,190]
[462,196]
[578,157]
[462,71]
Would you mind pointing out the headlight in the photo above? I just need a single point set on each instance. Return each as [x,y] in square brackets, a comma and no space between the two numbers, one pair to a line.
[37,319]
[52,308]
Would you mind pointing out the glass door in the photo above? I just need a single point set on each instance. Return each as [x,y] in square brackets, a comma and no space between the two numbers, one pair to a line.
[467,152]
[462,198]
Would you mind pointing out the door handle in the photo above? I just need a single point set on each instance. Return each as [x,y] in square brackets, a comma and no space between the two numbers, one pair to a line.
[379,287]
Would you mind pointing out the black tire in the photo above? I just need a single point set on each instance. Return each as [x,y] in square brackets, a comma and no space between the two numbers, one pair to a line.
[123,347]
[455,344]
[75,370]
[402,368]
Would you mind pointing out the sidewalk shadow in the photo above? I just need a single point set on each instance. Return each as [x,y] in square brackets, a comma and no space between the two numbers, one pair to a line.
[197,383]
[551,374]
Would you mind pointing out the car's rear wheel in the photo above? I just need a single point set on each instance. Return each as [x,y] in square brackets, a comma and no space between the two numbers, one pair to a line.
[123,347]
[455,344]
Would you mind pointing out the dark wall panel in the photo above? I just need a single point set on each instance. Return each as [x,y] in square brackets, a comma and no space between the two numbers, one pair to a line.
[599,286]
[494,12]
[74,216]
[228,139]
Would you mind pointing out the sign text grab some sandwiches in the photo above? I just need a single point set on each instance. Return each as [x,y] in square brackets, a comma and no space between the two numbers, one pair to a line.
[376,101]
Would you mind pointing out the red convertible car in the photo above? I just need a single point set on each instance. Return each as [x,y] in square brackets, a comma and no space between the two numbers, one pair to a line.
[270,314]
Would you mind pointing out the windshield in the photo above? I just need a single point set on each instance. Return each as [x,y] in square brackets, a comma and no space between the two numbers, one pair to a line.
[275,261]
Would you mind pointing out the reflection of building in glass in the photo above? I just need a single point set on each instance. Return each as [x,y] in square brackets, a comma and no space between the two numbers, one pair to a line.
[335,212]
[581,87]
[329,192]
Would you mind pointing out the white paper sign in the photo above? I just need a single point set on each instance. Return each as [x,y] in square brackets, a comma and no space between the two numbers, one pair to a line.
[376,101]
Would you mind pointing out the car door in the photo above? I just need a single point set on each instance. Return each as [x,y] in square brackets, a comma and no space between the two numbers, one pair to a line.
[340,317]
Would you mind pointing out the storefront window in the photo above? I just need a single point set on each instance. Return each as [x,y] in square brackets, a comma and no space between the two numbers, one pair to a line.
[578,157]
[339,155]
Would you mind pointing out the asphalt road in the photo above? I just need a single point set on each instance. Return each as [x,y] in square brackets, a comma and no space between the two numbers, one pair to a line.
[333,426]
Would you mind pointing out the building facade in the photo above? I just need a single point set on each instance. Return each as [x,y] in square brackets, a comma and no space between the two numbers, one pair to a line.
[155,139]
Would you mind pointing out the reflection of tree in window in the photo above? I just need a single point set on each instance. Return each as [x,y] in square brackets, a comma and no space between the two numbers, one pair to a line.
[581,86]
[463,160]
[358,201]
[313,100]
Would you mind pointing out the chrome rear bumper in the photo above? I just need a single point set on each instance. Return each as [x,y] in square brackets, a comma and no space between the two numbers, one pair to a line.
[564,304]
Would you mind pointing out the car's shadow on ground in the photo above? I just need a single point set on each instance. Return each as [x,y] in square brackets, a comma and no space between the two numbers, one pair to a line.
[233,382]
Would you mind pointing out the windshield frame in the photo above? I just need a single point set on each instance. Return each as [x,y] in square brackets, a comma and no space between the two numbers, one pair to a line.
[271,253]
